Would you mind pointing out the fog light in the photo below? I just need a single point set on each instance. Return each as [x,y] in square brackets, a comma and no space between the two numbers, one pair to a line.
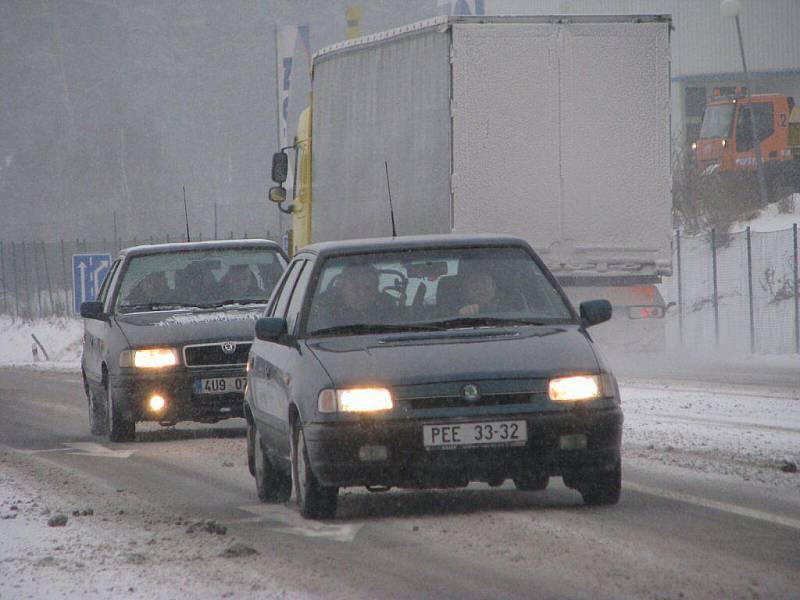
[576,441]
[373,453]
[157,403]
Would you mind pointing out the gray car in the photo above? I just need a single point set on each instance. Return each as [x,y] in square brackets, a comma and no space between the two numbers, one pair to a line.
[428,361]
[168,337]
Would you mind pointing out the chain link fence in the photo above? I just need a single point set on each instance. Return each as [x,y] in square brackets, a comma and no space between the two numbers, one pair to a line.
[736,293]
[36,276]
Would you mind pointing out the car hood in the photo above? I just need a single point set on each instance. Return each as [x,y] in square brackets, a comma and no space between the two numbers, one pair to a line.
[458,355]
[176,328]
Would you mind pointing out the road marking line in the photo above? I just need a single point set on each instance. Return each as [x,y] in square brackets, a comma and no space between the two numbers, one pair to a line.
[713,504]
[93,449]
[292,523]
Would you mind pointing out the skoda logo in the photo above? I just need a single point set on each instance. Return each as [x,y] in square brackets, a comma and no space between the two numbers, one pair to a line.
[471,392]
[228,347]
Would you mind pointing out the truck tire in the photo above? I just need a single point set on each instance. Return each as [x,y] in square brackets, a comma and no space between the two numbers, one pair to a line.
[315,501]
[531,482]
[604,488]
[120,428]
[272,485]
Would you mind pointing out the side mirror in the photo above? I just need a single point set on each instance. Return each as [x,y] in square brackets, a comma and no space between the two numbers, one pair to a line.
[595,312]
[280,167]
[277,194]
[271,329]
[92,310]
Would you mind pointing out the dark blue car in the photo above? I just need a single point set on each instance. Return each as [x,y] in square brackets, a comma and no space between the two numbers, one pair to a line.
[428,362]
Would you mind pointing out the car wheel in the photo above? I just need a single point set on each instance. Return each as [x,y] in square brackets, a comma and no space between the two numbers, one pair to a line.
[604,488]
[98,423]
[315,501]
[531,482]
[120,429]
[271,484]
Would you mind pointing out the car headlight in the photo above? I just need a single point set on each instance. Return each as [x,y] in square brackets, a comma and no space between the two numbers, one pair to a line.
[575,388]
[355,400]
[149,358]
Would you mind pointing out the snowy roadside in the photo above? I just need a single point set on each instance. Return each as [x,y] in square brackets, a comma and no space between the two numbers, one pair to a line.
[60,337]
[113,544]
[750,433]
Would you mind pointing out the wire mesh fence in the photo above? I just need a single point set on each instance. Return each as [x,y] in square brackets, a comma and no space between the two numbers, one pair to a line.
[36,278]
[736,293]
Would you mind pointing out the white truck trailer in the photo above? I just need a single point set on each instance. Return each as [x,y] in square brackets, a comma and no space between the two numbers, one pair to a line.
[555,129]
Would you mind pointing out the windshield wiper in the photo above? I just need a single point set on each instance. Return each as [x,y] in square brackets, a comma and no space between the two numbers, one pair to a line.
[155,306]
[241,301]
[482,322]
[357,328]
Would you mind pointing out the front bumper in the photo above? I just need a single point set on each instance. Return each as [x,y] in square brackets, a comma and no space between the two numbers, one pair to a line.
[132,392]
[334,450]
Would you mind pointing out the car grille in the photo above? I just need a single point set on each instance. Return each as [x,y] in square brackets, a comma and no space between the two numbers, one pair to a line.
[212,355]
[458,401]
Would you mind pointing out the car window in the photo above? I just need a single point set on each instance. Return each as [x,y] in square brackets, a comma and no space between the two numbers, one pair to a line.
[282,301]
[102,295]
[765,125]
[413,288]
[205,277]
[296,303]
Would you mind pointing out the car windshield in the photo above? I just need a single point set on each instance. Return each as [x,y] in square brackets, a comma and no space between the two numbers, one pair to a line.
[432,289]
[717,121]
[199,278]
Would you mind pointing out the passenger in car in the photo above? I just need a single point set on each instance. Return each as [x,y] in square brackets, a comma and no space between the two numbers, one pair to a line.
[241,281]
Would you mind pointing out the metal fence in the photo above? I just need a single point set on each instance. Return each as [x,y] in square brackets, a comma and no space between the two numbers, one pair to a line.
[36,276]
[736,292]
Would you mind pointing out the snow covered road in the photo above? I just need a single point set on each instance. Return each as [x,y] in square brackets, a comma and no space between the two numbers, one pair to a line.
[710,509]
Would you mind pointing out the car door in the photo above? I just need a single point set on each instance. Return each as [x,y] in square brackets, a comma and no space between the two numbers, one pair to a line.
[95,332]
[264,391]
[287,361]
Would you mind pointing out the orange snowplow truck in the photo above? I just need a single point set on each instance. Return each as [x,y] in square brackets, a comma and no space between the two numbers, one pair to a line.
[726,138]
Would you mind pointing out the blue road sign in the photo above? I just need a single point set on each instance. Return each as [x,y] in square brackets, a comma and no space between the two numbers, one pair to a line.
[88,272]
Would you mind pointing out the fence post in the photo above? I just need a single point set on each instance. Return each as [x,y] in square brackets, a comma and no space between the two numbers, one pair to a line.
[67,302]
[796,300]
[215,221]
[114,253]
[38,279]
[750,292]
[16,286]
[714,275]
[25,279]
[3,277]
[680,286]
[49,283]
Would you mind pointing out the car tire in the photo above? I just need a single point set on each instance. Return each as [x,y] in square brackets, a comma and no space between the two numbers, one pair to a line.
[531,482]
[271,484]
[251,445]
[315,501]
[98,422]
[604,488]
[120,428]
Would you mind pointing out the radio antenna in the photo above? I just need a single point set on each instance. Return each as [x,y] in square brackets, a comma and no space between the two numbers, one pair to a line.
[389,189]
[186,215]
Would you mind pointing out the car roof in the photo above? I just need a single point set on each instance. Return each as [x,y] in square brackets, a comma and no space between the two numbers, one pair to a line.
[207,245]
[416,242]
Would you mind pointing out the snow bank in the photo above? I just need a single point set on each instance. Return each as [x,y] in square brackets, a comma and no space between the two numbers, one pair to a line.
[770,219]
[61,338]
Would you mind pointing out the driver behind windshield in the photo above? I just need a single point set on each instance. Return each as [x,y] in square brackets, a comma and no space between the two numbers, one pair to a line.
[152,288]
[480,294]
[353,297]
[241,282]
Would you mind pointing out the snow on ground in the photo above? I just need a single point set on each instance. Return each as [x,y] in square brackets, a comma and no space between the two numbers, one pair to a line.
[113,544]
[61,338]
[748,433]
[770,219]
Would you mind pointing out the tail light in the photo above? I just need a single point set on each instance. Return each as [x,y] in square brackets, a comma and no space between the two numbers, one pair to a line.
[646,312]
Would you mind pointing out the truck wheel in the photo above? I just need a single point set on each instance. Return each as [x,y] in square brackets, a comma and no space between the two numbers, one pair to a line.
[531,482]
[98,423]
[271,484]
[604,488]
[120,429]
[315,501]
